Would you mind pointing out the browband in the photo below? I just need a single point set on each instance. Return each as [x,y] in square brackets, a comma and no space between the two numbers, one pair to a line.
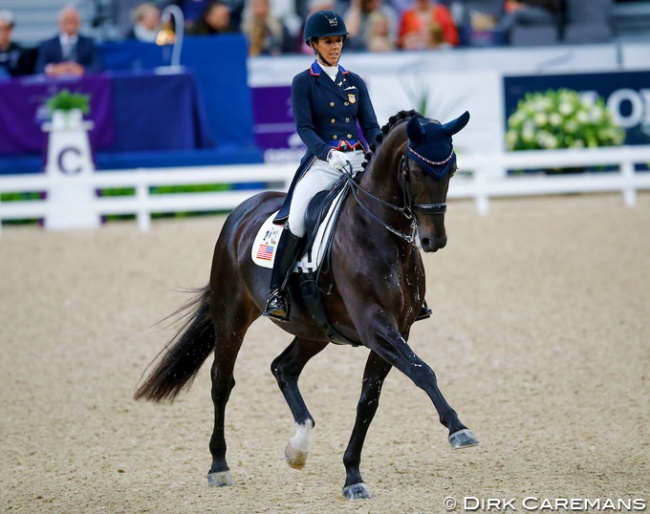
[430,162]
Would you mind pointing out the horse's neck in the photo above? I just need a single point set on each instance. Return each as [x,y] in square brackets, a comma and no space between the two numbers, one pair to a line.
[381,184]
[382,174]
[366,224]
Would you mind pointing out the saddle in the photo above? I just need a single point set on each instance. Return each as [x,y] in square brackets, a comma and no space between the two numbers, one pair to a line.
[323,212]
[320,221]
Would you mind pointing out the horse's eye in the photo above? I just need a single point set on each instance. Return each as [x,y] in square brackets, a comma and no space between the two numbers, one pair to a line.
[418,171]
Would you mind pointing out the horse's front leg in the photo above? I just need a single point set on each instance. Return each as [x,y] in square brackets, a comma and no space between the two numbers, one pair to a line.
[391,346]
[374,375]
[287,368]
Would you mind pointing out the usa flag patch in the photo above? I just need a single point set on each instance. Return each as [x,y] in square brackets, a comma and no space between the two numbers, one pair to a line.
[265,245]
[265,252]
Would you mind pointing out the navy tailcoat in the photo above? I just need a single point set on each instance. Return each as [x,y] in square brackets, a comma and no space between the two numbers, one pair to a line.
[326,113]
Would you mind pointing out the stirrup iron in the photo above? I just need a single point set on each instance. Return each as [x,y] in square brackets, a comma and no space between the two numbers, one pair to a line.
[277,307]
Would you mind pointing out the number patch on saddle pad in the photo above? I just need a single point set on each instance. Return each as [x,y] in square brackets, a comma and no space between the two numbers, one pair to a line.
[266,242]
[268,236]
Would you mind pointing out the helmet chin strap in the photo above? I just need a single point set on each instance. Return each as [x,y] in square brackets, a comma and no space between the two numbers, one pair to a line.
[320,56]
[323,59]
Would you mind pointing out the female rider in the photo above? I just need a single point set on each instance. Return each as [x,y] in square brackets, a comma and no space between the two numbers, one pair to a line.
[327,102]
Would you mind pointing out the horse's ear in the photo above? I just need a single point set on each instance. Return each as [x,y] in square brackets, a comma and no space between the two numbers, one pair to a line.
[414,130]
[456,125]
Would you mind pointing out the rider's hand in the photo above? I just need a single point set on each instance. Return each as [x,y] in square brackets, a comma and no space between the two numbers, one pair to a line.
[337,159]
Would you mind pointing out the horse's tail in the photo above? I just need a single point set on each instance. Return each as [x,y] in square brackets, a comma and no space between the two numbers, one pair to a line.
[183,356]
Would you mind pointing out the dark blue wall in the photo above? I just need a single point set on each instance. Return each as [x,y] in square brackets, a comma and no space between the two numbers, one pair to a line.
[219,65]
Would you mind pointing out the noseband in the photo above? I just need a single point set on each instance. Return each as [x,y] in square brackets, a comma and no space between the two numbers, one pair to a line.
[428,209]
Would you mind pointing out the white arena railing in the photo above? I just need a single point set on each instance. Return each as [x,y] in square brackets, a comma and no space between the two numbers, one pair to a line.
[482,177]
[490,176]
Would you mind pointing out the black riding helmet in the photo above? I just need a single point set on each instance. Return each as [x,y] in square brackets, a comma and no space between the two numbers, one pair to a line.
[324,24]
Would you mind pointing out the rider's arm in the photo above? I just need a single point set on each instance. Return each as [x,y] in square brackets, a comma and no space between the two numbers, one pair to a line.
[301,100]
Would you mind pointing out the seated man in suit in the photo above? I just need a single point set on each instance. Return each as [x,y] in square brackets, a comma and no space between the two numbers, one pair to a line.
[68,53]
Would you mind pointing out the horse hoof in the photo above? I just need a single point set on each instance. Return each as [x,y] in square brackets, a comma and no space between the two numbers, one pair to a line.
[295,458]
[219,478]
[462,439]
[356,491]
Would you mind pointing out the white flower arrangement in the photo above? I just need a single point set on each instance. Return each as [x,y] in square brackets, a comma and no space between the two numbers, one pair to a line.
[561,119]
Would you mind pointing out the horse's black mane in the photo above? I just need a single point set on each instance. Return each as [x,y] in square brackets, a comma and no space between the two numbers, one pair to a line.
[392,121]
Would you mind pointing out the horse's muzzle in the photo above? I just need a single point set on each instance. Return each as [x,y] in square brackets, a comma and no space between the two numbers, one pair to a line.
[434,244]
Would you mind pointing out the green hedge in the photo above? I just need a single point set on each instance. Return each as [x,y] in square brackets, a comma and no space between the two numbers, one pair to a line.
[128,191]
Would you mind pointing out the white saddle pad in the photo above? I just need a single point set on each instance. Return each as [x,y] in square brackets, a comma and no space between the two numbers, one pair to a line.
[268,236]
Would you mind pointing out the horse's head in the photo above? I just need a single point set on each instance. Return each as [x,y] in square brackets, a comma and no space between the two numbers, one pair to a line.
[427,166]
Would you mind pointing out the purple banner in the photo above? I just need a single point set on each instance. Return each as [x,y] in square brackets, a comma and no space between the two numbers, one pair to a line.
[274,125]
[23,109]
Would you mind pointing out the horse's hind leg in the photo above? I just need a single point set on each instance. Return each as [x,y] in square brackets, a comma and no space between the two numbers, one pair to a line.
[374,375]
[231,321]
[287,368]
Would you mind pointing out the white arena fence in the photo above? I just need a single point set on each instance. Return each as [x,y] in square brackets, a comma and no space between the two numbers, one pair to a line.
[482,177]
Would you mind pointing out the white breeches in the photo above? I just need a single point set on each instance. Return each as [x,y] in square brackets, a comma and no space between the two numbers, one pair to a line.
[320,176]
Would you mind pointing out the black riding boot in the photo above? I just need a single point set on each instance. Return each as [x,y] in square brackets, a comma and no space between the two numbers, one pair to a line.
[289,246]
[425,312]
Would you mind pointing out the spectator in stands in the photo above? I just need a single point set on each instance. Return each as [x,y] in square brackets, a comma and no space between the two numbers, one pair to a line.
[266,34]
[529,12]
[286,11]
[14,59]
[378,36]
[356,20]
[428,24]
[215,19]
[312,7]
[146,23]
[69,52]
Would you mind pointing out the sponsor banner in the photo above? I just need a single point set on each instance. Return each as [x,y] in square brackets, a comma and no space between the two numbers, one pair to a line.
[441,96]
[626,94]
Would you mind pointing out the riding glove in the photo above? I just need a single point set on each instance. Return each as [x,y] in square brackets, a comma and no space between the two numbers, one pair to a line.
[337,159]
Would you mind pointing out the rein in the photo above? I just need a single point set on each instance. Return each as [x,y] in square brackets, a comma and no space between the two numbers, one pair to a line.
[428,209]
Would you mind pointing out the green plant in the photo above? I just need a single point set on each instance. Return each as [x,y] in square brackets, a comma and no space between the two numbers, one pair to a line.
[426,99]
[66,101]
[561,119]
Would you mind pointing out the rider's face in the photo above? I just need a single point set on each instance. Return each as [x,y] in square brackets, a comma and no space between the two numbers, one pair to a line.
[330,48]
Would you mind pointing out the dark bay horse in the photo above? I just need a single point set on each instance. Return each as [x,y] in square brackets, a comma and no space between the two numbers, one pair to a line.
[375,287]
